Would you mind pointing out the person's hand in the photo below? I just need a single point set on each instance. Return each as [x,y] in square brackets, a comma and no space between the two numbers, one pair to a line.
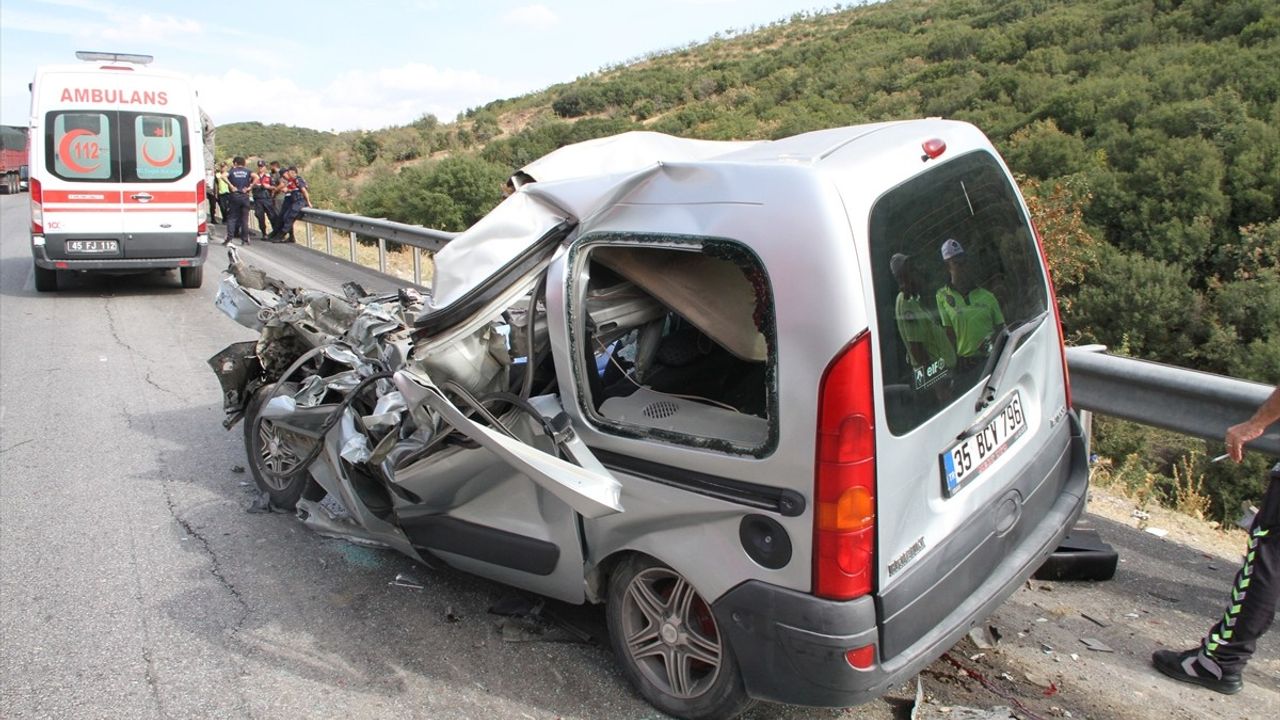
[1238,435]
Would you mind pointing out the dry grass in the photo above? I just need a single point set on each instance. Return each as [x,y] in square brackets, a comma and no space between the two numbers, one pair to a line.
[399,257]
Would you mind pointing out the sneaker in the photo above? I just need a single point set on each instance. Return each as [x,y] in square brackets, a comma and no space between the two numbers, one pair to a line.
[1192,666]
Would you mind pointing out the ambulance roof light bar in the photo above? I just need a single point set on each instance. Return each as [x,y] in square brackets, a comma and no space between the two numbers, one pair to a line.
[90,56]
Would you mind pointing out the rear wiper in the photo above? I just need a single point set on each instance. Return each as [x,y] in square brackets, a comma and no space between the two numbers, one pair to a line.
[998,363]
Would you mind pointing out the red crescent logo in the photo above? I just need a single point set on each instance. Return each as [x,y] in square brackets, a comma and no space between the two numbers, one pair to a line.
[158,163]
[64,152]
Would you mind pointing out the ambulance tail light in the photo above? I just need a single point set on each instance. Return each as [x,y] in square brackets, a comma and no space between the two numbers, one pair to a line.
[844,525]
[37,206]
[202,209]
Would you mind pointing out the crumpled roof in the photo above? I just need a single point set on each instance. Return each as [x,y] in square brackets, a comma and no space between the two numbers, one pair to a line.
[572,182]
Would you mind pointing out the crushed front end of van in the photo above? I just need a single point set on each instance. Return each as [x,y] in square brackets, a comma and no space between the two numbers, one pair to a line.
[795,411]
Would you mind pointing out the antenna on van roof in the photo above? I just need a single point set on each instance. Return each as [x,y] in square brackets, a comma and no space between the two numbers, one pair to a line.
[91,56]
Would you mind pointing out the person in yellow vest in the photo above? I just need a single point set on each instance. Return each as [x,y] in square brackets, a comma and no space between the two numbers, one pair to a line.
[970,314]
[929,351]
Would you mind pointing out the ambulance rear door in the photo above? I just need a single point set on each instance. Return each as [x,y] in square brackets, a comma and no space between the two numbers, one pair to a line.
[75,159]
[161,166]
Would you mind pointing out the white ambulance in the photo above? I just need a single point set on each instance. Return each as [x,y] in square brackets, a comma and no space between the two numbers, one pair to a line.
[117,170]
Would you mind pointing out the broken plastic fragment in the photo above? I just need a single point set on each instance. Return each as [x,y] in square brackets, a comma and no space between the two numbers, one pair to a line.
[406,580]
[1096,645]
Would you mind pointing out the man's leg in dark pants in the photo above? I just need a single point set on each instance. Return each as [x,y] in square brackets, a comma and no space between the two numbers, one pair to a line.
[291,212]
[238,218]
[1252,606]
[260,212]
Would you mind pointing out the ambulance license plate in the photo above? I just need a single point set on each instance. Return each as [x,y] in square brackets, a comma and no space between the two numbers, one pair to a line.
[92,246]
[968,458]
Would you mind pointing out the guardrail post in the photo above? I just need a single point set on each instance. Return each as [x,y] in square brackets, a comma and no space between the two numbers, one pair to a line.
[328,240]
[351,250]
[417,266]
[382,256]
[307,227]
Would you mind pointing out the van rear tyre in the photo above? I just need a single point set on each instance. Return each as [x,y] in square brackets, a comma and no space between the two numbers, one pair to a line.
[669,645]
[192,277]
[46,279]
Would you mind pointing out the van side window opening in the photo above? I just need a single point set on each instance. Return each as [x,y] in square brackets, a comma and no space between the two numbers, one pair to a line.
[954,262]
[117,146]
[679,345]
[79,146]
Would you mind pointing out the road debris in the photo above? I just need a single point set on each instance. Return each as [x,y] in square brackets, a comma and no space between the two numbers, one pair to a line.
[1096,645]
[992,687]
[528,620]
[450,615]
[261,505]
[238,469]
[985,637]
[405,580]
[1096,621]
[1158,532]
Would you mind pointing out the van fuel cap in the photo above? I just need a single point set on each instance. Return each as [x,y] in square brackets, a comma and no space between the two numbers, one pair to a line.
[765,541]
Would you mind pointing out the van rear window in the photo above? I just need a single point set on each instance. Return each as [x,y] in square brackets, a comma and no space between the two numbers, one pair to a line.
[116,146]
[80,145]
[955,262]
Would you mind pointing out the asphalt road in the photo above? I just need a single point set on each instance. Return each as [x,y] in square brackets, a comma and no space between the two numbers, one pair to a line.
[134,584]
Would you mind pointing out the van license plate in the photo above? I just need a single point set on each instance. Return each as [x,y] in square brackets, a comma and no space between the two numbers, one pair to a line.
[968,458]
[91,246]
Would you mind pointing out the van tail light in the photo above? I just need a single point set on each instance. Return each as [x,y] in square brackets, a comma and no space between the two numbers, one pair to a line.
[862,658]
[1053,300]
[844,524]
[37,206]
[202,209]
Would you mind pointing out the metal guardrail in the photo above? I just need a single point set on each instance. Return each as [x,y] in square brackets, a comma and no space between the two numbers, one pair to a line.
[419,239]
[1193,403]
[1186,401]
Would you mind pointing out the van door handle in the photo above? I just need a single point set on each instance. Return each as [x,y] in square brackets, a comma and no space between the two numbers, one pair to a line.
[141,197]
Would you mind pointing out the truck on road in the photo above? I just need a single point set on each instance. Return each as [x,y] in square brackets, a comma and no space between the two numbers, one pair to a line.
[13,159]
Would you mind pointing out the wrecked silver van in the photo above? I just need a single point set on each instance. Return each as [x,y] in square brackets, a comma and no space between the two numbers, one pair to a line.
[795,411]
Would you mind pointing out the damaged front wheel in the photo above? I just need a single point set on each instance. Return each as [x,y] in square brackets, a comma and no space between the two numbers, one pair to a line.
[276,455]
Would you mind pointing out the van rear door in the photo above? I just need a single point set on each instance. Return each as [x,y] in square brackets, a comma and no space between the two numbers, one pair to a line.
[965,471]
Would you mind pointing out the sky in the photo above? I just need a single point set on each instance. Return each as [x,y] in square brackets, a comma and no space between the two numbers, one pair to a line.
[362,65]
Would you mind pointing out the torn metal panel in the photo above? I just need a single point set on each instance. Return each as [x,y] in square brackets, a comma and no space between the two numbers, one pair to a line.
[592,493]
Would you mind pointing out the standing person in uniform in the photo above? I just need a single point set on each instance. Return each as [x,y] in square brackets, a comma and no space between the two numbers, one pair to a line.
[1219,660]
[211,194]
[970,314]
[263,206]
[241,181]
[224,190]
[277,191]
[297,198]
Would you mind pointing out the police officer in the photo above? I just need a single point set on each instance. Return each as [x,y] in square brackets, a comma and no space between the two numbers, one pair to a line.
[277,191]
[1218,661]
[240,181]
[297,197]
[263,205]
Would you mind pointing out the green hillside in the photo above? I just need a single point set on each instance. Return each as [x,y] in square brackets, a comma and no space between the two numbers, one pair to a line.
[277,142]
[1146,132]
